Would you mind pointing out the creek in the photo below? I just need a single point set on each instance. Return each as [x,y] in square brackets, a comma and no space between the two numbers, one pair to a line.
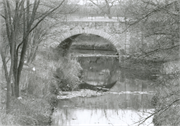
[126,104]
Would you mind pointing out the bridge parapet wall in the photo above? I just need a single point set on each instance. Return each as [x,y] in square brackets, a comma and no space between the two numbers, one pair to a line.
[108,27]
[108,30]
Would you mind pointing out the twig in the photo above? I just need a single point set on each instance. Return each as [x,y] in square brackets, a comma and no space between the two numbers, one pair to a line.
[146,16]
[160,111]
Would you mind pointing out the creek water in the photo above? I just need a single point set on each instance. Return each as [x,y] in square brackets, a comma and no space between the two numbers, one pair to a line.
[126,104]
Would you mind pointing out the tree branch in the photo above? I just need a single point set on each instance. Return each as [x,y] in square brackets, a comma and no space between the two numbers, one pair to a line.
[45,15]
[98,6]
[147,15]
[160,111]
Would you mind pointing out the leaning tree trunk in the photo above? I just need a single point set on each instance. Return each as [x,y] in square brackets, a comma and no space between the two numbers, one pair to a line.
[20,66]
[8,81]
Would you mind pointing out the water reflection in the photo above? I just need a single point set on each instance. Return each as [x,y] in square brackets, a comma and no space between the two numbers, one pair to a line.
[99,117]
[125,104]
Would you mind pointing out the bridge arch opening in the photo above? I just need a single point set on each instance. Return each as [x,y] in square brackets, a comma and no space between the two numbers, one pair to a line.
[94,65]
[68,38]
[92,42]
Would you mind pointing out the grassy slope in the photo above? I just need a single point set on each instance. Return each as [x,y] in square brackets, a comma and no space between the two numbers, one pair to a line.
[34,108]
[29,110]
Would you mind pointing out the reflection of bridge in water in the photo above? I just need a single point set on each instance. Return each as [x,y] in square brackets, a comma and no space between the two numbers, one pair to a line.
[131,93]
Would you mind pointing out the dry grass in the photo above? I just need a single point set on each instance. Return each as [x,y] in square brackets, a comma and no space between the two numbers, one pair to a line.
[34,108]
[7,119]
[27,111]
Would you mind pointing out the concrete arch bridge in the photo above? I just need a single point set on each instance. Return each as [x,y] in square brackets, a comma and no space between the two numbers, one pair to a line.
[106,29]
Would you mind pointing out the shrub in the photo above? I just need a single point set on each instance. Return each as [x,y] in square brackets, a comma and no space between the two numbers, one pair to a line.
[53,88]
[68,73]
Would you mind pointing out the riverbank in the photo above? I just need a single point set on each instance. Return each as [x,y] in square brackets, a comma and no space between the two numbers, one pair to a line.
[27,110]
[35,104]
[166,99]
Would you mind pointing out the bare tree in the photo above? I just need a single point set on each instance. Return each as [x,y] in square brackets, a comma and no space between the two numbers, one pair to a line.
[21,18]
[159,21]
[105,6]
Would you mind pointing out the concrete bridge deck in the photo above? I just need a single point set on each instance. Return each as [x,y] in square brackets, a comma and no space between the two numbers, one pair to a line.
[95,19]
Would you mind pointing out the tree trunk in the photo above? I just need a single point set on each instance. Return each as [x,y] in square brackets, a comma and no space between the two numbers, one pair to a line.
[8,80]
[15,74]
[12,89]
[109,16]
[8,96]
[109,12]
[20,67]
[16,87]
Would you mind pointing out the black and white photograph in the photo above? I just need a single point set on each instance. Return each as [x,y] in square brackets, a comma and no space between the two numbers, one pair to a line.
[89,62]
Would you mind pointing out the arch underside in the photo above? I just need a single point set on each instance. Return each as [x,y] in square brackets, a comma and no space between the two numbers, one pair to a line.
[73,33]
[67,38]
